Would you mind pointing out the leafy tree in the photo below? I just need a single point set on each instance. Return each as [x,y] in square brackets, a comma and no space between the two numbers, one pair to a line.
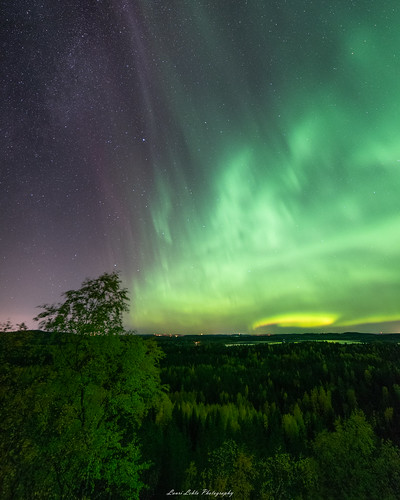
[191,477]
[283,477]
[221,466]
[95,309]
[243,476]
[79,435]
[230,467]
[386,473]
[351,465]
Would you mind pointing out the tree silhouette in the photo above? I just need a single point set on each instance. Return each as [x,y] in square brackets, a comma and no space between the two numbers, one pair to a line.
[6,326]
[95,309]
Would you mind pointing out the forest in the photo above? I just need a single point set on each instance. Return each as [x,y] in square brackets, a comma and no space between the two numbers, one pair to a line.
[290,421]
[307,420]
[90,411]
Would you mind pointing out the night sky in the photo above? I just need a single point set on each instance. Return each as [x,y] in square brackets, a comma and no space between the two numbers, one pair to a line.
[237,161]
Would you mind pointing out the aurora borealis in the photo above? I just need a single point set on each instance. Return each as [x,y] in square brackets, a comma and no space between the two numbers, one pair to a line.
[239,162]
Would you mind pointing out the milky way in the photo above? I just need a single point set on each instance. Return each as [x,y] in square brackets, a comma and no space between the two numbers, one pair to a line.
[238,162]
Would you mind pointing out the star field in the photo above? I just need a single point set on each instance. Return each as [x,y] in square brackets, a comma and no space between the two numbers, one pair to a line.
[237,162]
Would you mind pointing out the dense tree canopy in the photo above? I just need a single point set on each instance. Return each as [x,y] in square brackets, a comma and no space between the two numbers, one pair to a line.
[72,405]
[297,421]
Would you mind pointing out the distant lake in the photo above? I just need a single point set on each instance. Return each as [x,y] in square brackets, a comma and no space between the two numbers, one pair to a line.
[255,342]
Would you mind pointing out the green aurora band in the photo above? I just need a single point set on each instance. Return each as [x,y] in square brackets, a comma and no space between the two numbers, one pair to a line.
[276,189]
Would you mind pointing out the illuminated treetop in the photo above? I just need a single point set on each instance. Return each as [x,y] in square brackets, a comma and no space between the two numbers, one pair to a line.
[95,309]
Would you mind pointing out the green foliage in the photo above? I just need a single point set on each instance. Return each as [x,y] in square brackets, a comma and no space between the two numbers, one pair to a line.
[72,407]
[283,477]
[344,457]
[230,468]
[352,465]
[294,421]
[191,477]
[79,434]
[242,482]
[221,466]
[253,419]
[386,472]
[95,309]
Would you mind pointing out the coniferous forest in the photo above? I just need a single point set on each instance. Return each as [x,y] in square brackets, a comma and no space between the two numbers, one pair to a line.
[89,411]
[286,421]
[289,421]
